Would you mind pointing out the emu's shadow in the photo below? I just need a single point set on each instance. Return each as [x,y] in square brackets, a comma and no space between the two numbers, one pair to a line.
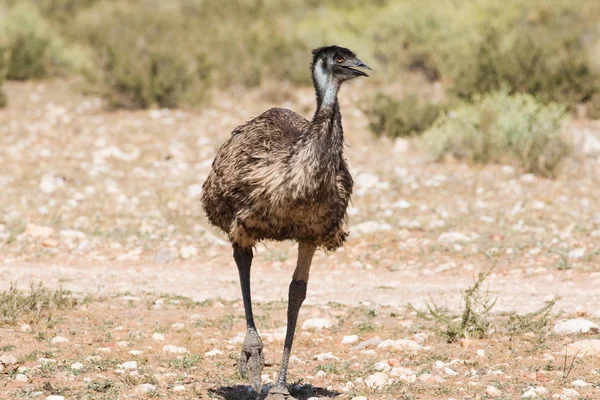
[240,392]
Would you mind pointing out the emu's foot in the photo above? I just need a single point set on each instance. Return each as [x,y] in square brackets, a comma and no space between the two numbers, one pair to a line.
[279,393]
[252,360]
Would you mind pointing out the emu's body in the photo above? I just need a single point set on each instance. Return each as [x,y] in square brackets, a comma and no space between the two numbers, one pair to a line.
[282,177]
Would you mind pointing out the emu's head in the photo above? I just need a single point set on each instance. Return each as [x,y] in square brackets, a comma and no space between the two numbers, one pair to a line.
[334,65]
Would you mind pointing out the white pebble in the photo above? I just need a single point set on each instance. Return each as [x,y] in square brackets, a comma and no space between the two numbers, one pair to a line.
[325,356]
[146,388]
[350,339]
[579,383]
[316,323]
[129,365]
[377,380]
[179,388]
[158,336]
[21,378]
[493,391]
[59,340]
[178,326]
[213,353]
[576,325]
[174,349]
[136,353]
[481,353]
[77,366]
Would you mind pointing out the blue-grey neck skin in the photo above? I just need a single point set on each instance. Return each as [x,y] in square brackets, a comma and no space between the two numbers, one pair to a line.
[326,88]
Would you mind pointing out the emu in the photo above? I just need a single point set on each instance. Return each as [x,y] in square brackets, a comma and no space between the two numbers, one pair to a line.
[282,177]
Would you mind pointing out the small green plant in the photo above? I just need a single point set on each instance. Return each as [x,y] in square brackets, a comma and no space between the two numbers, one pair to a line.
[535,321]
[186,361]
[474,319]
[499,127]
[37,303]
[400,118]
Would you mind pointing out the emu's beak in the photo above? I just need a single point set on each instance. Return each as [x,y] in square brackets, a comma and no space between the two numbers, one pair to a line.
[360,64]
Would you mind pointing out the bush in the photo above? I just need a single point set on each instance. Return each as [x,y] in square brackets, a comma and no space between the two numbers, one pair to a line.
[36,50]
[478,46]
[499,127]
[400,118]
[144,56]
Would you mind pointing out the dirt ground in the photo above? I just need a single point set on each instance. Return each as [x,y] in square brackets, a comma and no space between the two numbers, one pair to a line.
[105,204]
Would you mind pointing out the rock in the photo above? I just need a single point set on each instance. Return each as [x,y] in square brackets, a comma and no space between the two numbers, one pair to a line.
[174,349]
[453,237]
[584,348]
[37,231]
[123,344]
[401,345]
[367,343]
[158,337]
[178,326]
[50,242]
[371,227]
[577,325]
[382,366]
[591,145]
[46,360]
[481,353]
[8,359]
[528,178]
[178,388]
[77,366]
[21,378]
[136,353]
[530,392]
[350,339]
[213,353]
[59,340]
[25,328]
[325,356]
[129,365]
[194,191]
[316,323]
[402,204]
[401,146]
[165,255]
[49,183]
[377,380]
[146,388]
[567,394]
[577,253]
[493,391]
[187,252]
[579,383]
[71,235]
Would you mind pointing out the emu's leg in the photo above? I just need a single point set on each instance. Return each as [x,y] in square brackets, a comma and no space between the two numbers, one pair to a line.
[251,360]
[297,294]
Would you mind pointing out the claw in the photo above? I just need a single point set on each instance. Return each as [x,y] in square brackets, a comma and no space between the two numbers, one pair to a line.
[279,393]
[252,361]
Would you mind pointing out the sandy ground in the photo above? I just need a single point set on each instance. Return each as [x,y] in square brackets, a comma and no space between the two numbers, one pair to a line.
[105,203]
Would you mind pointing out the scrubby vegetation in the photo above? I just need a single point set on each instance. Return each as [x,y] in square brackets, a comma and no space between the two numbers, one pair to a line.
[399,118]
[141,53]
[500,127]
[35,48]
[38,302]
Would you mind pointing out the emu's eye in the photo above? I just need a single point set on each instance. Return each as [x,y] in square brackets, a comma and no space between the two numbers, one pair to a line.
[340,59]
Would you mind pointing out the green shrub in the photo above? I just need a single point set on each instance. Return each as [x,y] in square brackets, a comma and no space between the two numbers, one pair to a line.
[399,118]
[144,56]
[36,50]
[478,46]
[499,127]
